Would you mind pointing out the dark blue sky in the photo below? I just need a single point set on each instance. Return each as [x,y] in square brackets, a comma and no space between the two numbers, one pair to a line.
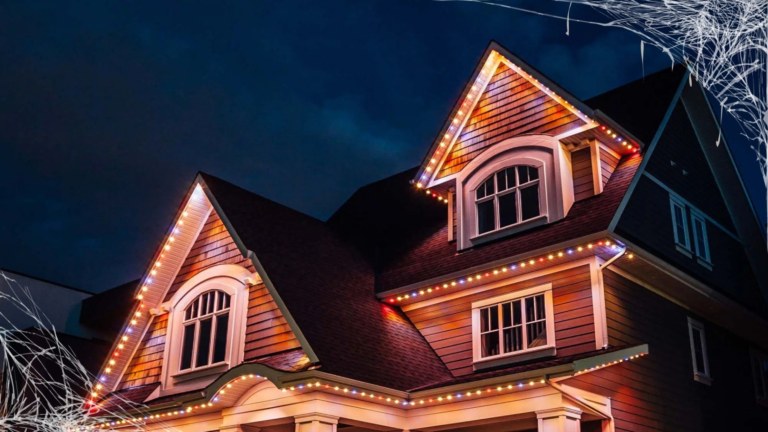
[108,109]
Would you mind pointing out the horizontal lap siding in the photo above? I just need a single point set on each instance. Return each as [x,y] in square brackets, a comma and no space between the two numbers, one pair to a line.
[655,392]
[510,106]
[447,326]
[608,163]
[267,331]
[583,182]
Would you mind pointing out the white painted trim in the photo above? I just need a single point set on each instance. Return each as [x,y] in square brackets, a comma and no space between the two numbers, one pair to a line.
[699,217]
[683,239]
[704,377]
[597,166]
[598,304]
[229,278]
[513,279]
[544,350]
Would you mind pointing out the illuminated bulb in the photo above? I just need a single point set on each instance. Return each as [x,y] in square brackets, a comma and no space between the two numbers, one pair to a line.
[139,297]
[167,247]
[185,214]
[171,239]
[111,362]
[124,338]
[138,314]
[120,346]
[108,370]
[145,288]
[133,322]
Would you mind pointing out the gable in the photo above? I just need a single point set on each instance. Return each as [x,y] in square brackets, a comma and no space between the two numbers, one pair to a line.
[504,98]
[267,331]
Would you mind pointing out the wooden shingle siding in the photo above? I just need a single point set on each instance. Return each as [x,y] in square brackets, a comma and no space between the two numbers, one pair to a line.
[146,365]
[267,331]
[510,106]
[447,326]
[657,392]
[583,182]
[608,163]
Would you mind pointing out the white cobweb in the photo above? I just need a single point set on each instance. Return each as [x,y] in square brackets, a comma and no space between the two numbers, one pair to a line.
[724,44]
[43,385]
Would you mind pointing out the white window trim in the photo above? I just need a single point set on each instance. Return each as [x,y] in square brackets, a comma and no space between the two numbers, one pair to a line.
[229,278]
[555,184]
[682,246]
[704,256]
[703,377]
[494,197]
[527,354]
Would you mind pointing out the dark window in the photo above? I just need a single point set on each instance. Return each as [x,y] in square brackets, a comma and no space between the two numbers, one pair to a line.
[523,326]
[508,197]
[206,325]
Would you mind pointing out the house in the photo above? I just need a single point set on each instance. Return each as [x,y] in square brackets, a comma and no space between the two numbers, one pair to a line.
[552,264]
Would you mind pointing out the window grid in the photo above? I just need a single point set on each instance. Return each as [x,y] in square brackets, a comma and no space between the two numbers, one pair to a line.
[700,240]
[518,331]
[680,224]
[699,356]
[507,198]
[206,321]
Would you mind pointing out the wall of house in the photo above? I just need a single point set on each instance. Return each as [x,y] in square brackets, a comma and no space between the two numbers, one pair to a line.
[510,106]
[447,325]
[583,181]
[267,331]
[657,392]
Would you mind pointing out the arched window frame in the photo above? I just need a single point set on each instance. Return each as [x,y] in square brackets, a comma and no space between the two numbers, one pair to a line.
[230,279]
[499,193]
[545,153]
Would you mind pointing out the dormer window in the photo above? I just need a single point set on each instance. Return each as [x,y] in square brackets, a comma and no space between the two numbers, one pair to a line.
[513,186]
[508,197]
[206,322]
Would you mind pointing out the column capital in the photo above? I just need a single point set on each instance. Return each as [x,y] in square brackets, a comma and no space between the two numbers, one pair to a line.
[568,412]
[318,417]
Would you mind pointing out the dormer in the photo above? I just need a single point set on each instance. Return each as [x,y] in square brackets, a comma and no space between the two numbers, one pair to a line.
[516,152]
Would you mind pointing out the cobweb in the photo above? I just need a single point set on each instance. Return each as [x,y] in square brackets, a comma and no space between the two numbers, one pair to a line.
[724,44]
[43,385]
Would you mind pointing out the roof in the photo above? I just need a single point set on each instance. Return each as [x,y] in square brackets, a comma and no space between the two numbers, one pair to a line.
[650,98]
[107,310]
[327,288]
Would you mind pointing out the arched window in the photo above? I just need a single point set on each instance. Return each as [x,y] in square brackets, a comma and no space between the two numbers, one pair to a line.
[206,324]
[508,197]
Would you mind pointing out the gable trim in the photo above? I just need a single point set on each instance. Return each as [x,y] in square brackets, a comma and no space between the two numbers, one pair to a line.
[265,278]
[473,91]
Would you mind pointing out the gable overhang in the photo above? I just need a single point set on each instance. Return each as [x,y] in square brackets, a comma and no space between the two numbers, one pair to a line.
[494,55]
[188,222]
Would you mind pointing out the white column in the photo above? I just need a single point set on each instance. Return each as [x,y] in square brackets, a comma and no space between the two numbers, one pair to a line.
[316,423]
[559,420]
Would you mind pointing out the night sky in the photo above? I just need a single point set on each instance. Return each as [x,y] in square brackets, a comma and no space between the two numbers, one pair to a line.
[108,109]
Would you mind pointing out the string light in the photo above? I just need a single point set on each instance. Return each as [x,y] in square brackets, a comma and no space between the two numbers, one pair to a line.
[611,363]
[504,270]
[619,139]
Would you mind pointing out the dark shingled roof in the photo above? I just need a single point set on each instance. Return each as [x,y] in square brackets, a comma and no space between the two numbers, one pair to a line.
[328,288]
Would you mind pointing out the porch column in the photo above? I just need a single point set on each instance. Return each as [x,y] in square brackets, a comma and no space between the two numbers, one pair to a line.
[316,423]
[559,420]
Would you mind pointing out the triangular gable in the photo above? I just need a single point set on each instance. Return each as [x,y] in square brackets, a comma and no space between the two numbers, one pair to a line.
[198,239]
[504,98]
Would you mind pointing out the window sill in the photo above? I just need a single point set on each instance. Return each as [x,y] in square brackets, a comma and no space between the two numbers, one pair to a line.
[507,230]
[503,359]
[704,379]
[684,251]
[183,376]
[705,264]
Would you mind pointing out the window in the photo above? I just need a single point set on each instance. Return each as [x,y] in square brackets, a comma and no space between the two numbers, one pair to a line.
[508,197]
[700,241]
[760,373]
[680,224]
[690,239]
[206,321]
[699,351]
[514,324]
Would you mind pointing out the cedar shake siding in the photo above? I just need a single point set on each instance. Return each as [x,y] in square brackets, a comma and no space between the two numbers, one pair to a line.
[658,393]
[509,107]
[583,182]
[447,325]
[267,331]
[608,162]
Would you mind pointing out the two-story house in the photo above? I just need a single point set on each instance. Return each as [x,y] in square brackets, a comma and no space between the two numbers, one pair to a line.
[553,265]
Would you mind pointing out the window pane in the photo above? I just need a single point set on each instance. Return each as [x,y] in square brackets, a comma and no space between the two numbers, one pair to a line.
[506,315]
[186,346]
[698,350]
[507,209]
[540,314]
[533,173]
[501,180]
[517,317]
[485,189]
[220,339]
[204,342]
[513,339]
[530,309]
[529,199]
[485,319]
[485,217]
[537,334]
[490,344]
